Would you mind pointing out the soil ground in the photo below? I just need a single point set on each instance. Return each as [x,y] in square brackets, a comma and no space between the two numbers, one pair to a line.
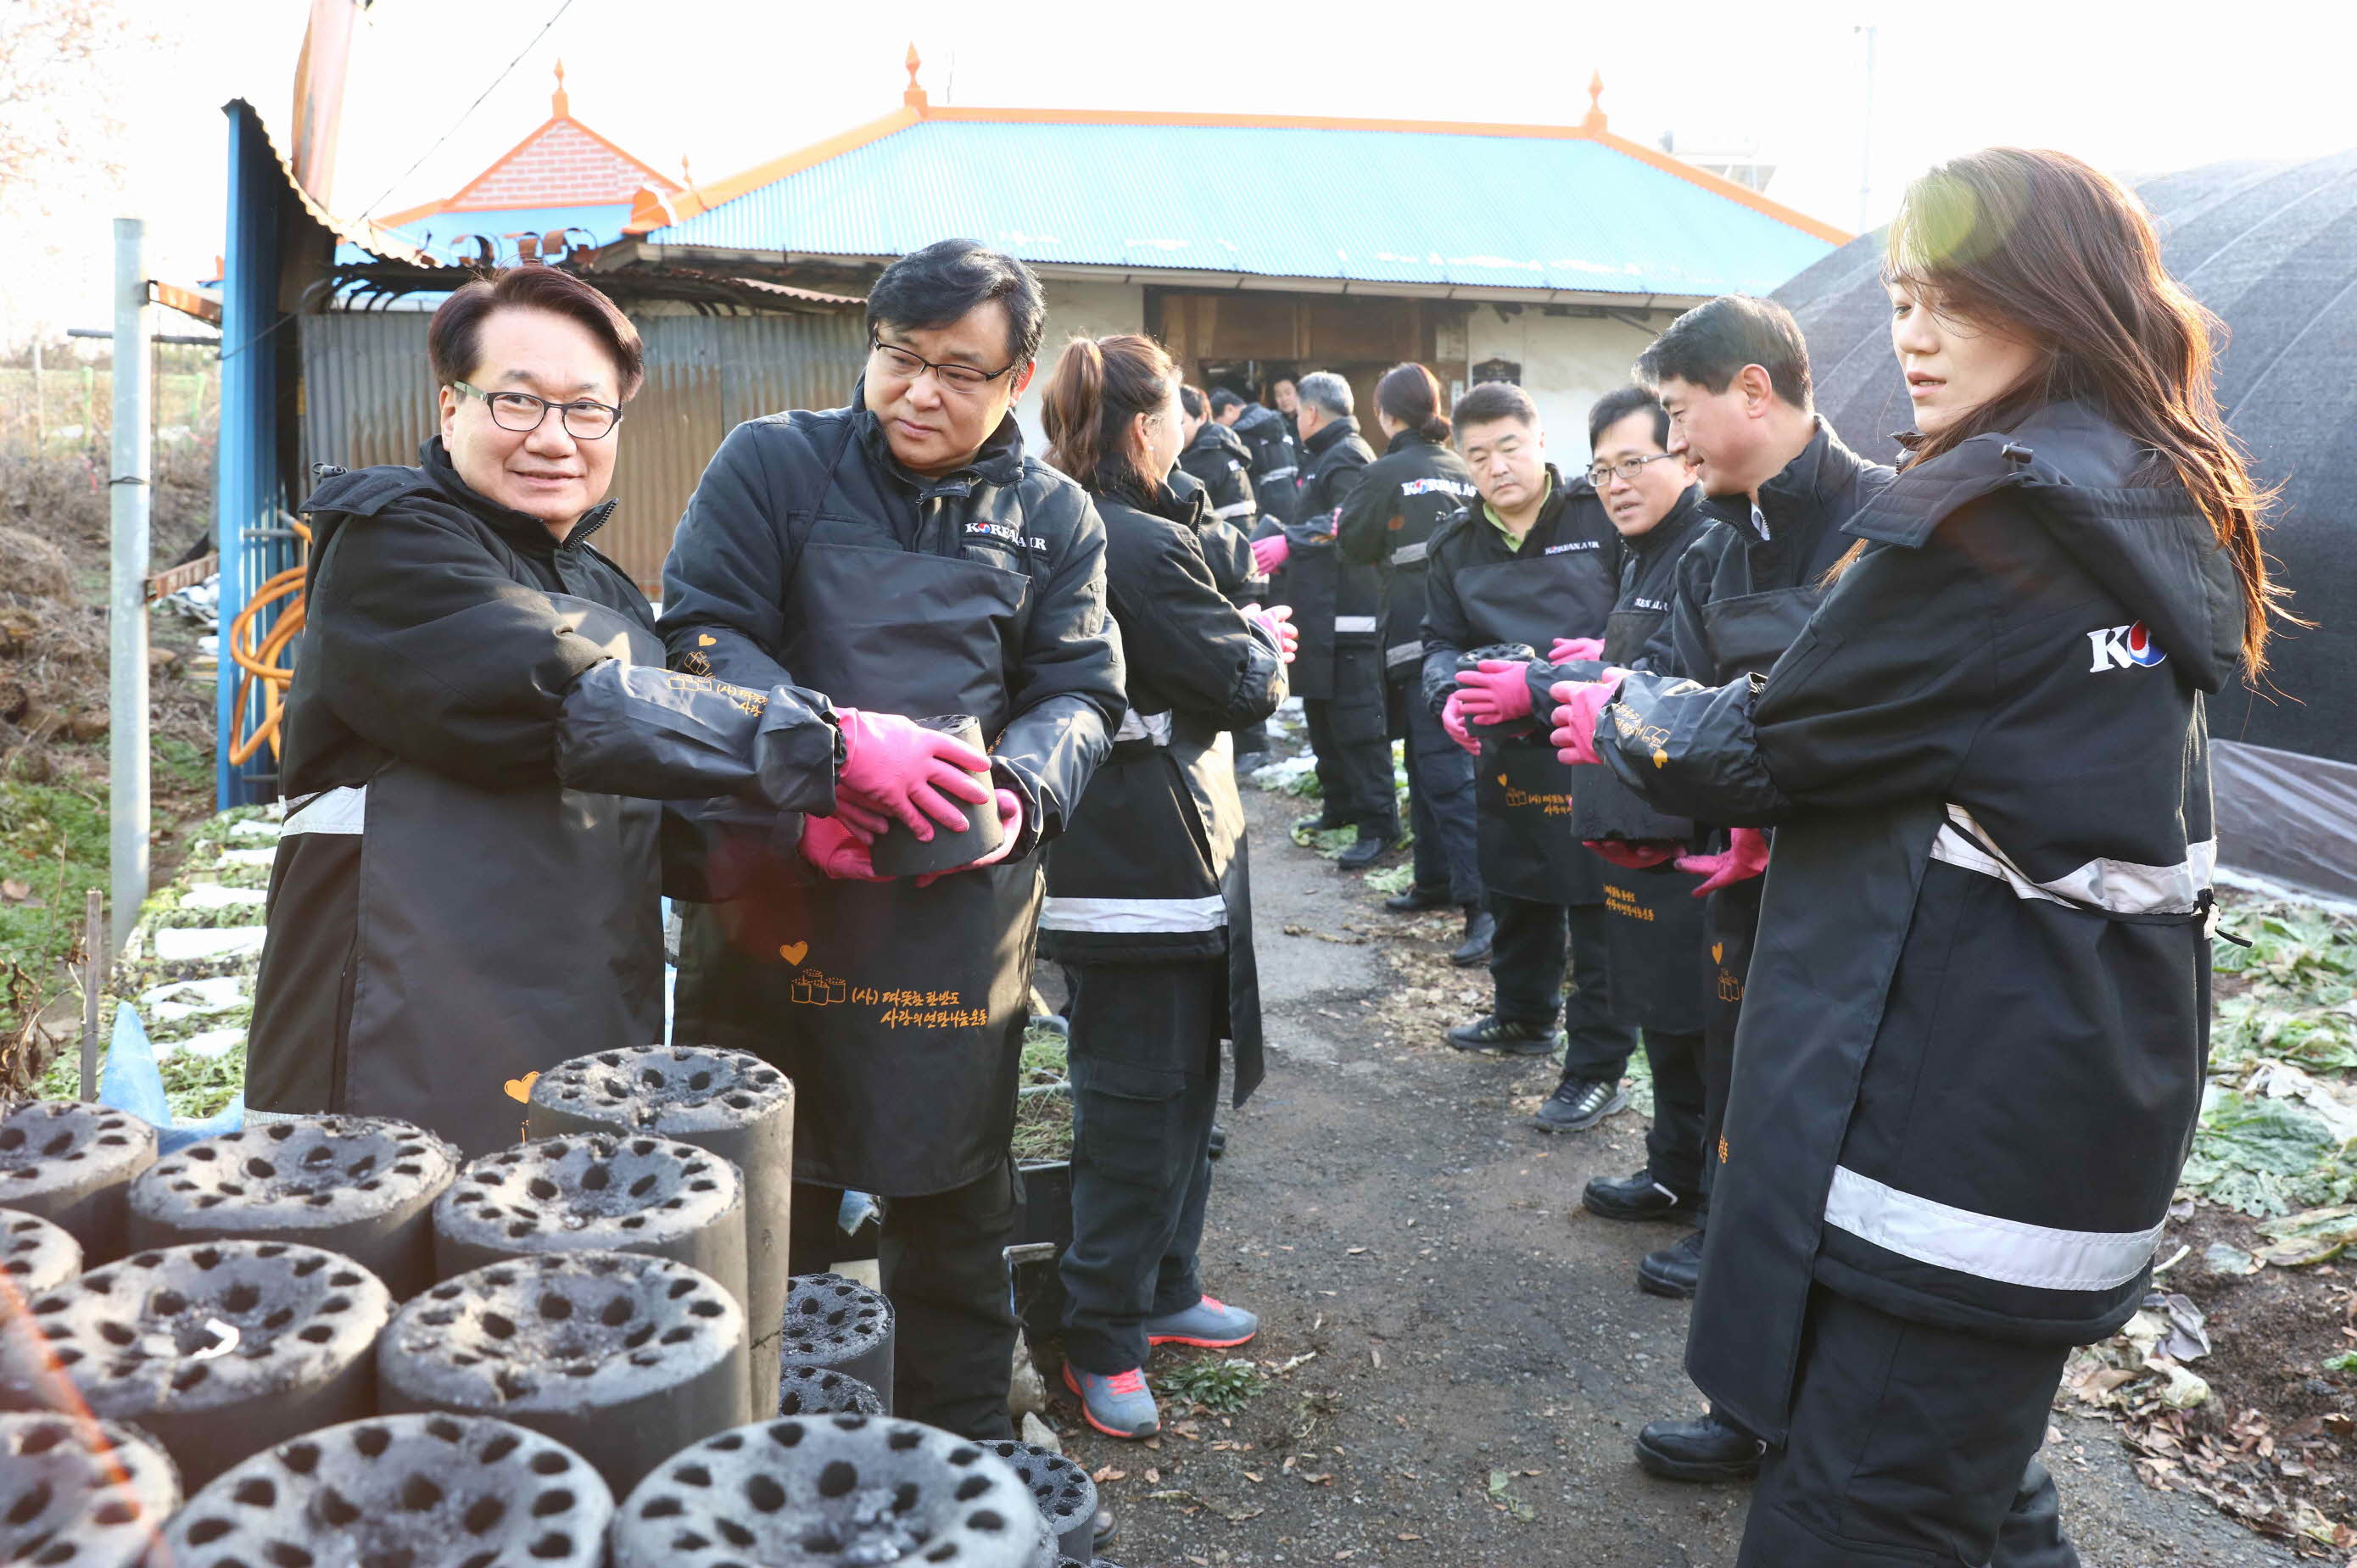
[1469,1355]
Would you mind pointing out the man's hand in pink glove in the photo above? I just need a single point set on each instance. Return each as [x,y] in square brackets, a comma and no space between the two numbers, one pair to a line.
[1580,702]
[1496,693]
[1567,649]
[1010,827]
[1743,858]
[1277,621]
[838,850]
[896,767]
[1631,856]
[1452,719]
[1270,553]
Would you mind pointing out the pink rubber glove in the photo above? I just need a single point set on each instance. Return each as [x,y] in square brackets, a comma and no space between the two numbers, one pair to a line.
[1277,621]
[1575,720]
[1010,824]
[1452,719]
[1567,649]
[1498,693]
[1743,858]
[838,850]
[1630,856]
[893,767]
[1270,553]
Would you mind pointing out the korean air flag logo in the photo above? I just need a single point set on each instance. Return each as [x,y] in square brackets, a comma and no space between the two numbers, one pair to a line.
[2123,648]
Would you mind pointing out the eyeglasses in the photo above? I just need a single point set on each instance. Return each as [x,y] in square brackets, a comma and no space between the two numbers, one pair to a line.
[583,421]
[909,367]
[1628,468]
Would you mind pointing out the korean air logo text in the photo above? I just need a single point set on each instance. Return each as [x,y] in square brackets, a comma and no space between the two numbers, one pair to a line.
[2123,648]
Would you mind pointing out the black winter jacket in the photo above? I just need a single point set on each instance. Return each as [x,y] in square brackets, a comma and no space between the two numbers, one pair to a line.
[1223,465]
[788,479]
[1388,521]
[1226,541]
[1572,520]
[1153,868]
[1972,1042]
[1334,602]
[1275,463]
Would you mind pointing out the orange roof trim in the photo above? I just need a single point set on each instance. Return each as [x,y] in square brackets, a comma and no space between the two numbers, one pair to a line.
[651,213]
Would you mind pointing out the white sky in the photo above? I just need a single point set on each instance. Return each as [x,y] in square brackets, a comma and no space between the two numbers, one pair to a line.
[2137,89]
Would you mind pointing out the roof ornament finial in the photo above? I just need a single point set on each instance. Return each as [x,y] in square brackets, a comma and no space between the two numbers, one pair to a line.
[560,102]
[1595,120]
[915,95]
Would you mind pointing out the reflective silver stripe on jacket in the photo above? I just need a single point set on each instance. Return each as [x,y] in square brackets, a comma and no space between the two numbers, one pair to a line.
[343,810]
[1402,653]
[2007,1249]
[1134,915]
[1155,728]
[1354,623]
[2115,887]
[1409,554]
[1285,473]
[1237,509]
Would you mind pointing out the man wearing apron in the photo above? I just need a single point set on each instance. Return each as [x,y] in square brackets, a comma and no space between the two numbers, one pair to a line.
[1534,560]
[466,889]
[1734,375]
[904,555]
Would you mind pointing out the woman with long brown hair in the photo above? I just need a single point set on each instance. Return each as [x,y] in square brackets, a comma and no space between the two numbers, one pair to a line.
[1149,899]
[1971,1052]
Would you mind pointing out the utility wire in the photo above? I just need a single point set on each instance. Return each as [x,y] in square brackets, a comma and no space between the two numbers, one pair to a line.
[477,104]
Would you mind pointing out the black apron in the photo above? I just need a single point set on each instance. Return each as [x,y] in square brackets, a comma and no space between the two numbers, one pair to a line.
[473,906]
[1523,794]
[897,1010]
[1653,921]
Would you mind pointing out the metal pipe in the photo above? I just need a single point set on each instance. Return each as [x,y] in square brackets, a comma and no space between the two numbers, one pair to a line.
[132,440]
[106,333]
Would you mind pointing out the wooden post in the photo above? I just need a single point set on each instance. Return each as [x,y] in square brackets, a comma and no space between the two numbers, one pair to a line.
[94,950]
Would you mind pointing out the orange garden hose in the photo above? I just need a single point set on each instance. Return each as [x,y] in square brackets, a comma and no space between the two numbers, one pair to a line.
[264,662]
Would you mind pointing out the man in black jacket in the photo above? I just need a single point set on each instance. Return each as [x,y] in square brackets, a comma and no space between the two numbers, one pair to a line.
[1534,560]
[466,892]
[1216,458]
[1338,670]
[1275,465]
[903,554]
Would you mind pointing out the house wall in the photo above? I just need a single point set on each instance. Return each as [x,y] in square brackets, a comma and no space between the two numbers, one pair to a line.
[1076,309]
[1568,362]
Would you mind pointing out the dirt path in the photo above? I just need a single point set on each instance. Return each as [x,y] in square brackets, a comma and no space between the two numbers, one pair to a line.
[1470,1355]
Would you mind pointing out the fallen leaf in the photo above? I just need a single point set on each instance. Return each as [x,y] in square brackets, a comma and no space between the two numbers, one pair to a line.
[14,890]
[1153,1477]
[1109,1473]
[1252,1477]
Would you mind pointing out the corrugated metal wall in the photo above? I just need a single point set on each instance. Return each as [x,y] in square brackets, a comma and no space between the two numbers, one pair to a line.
[367,398]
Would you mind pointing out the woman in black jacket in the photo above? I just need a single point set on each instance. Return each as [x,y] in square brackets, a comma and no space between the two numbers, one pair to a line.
[1147,897]
[1971,1054]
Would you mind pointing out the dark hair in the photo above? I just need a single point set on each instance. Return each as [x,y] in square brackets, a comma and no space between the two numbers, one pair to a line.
[1494,401]
[1287,378]
[2044,249]
[1410,397]
[1100,385]
[1619,404]
[949,279]
[1711,344]
[1224,398]
[1191,399]
[454,338]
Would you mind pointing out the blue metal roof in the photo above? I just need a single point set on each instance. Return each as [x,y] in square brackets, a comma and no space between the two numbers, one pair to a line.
[1372,206]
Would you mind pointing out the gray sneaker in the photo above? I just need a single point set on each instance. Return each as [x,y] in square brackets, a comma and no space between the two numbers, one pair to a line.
[1118,1406]
[1579,1103]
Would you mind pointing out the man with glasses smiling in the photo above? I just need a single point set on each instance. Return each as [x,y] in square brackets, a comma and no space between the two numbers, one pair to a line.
[902,555]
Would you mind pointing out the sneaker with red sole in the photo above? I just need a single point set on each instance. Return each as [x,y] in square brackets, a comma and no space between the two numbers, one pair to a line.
[1208,1324]
[1118,1406]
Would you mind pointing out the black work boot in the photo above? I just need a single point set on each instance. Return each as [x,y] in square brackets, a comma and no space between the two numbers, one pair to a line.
[1579,1103]
[1480,930]
[1372,845]
[1217,1143]
[1416,900]
[1491,1033]
[1639,1197]
[1674,1270]
[1319,824]
[1710,1449]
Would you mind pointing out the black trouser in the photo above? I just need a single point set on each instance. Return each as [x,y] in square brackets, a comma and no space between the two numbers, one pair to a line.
[1145,1079]
[942,1260]
[1354,755]
[1527,961]
[1674,1143]
[1440,795]
[1909,1445]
